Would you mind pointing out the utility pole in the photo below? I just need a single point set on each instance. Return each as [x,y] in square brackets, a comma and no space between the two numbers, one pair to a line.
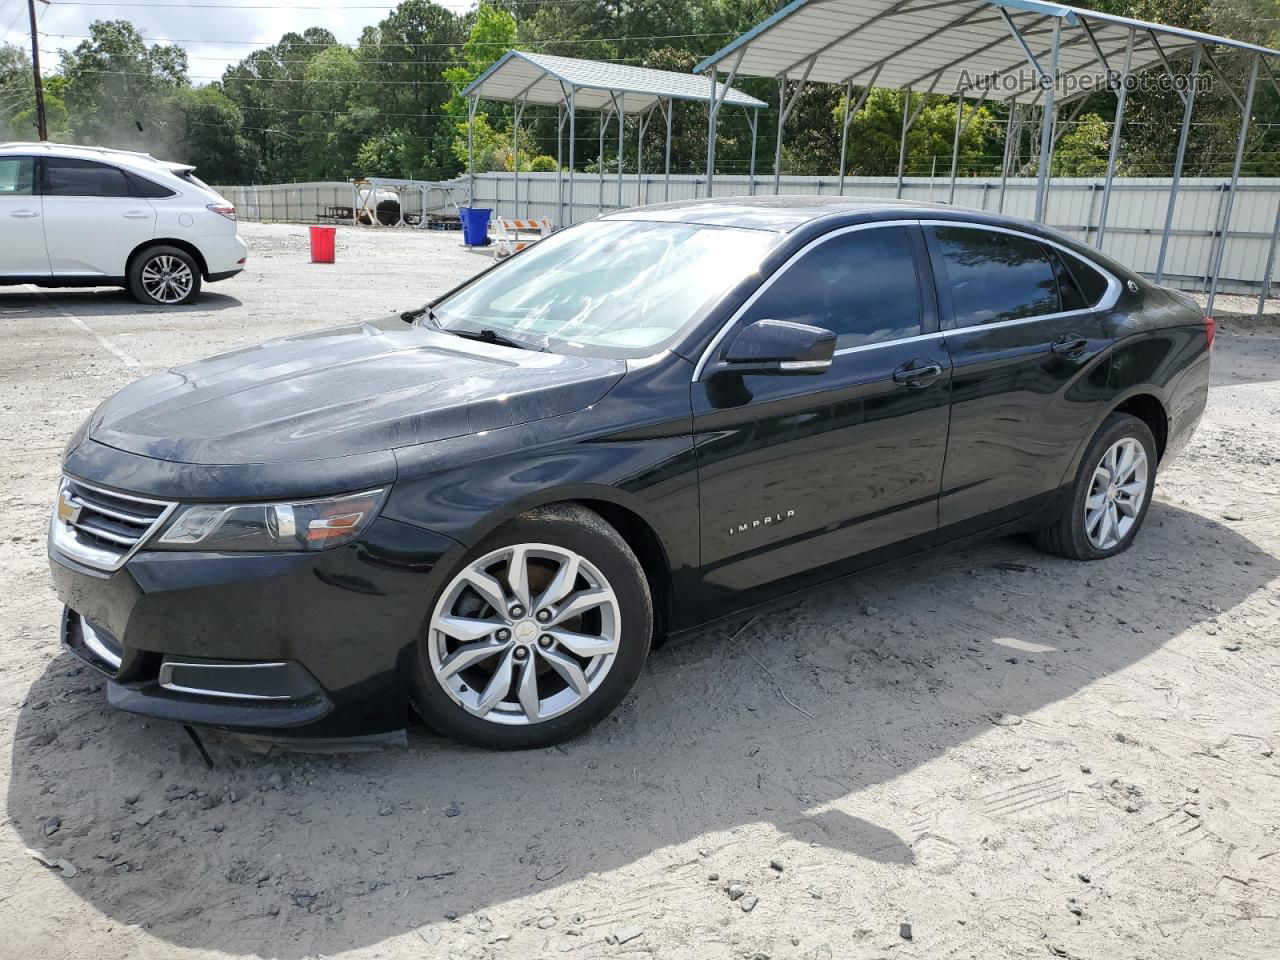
[41,125]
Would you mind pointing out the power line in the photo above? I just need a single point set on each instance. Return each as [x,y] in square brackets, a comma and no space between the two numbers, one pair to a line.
[398,43]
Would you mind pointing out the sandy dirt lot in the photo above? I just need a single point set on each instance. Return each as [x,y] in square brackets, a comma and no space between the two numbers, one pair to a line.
[989,753]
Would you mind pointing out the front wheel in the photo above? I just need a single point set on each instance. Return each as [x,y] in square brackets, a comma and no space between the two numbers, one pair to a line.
[1111,494]
[538,635]
[164,276]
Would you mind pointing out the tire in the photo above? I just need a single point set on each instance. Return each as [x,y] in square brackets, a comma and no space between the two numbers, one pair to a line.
[1081,533]
[455,678]
[164,276]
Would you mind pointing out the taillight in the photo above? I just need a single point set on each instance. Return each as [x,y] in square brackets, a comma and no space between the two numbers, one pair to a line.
[223,210]
[1210,330]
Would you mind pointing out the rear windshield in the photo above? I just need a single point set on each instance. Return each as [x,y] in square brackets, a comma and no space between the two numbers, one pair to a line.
[616,288]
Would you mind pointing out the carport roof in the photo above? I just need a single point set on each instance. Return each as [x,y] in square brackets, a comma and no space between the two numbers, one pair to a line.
[953,45]
[544,79]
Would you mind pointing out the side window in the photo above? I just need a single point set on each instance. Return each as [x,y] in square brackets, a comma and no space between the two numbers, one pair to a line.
[65,177]
[142,187]
[861,285]
[1068,291]
[1093,285]
[995,276]
[16,176]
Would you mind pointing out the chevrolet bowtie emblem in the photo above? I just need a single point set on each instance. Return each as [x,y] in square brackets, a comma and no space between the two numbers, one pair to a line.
[68,512]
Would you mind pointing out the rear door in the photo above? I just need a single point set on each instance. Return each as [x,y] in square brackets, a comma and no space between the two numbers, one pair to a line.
[22,252]
[92,218]
[802,478]
[1029,371]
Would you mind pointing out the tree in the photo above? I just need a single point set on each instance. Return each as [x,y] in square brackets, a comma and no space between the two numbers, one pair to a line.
[1082,151]
[119,91]
[876,130]
[212,138]
[493,33]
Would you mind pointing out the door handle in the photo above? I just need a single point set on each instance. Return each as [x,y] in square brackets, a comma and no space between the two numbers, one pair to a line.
[1069,345]
[136,215]
[917,373]
[24,214]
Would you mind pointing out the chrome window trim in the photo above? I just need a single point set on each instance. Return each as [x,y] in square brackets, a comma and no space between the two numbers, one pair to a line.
[64,542]
[165,679]
[769,282]
[1106,302]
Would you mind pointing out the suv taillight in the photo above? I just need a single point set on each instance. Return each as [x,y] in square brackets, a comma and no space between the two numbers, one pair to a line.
[223,209]
[1210,330]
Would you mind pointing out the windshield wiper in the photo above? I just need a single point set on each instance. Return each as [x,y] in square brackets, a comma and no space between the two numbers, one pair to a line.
[490,336]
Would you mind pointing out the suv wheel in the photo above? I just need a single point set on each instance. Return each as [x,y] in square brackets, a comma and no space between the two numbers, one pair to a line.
[164,276]
[1111,494]
[539,634]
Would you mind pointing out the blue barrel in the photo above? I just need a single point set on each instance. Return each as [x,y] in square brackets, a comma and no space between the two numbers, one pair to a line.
[475,225]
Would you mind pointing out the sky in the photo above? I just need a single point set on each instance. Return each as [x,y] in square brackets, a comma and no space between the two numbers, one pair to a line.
[214,33]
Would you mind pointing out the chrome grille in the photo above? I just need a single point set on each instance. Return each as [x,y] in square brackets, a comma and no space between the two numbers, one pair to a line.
[102,528]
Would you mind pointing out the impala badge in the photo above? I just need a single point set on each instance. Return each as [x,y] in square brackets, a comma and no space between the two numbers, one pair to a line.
[773,518]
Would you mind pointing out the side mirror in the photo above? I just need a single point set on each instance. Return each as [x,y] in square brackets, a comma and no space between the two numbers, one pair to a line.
[778,347]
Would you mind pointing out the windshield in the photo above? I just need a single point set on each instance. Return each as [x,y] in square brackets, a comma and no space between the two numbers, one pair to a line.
[614,288]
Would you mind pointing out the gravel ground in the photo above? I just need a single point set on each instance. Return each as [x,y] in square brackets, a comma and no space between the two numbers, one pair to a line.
[989,753]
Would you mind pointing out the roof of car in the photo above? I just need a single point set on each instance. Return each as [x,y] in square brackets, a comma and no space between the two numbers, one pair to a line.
[132,158]
[783,214]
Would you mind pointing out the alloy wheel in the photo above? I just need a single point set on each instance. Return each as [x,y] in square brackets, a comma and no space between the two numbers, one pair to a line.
[525,633]
[1116,494]
[167,279]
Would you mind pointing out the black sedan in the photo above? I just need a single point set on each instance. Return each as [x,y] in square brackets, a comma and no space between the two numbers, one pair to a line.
[491,507]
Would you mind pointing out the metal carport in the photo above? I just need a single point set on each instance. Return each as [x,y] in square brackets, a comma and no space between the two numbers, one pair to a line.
[613,89]
[1011,50]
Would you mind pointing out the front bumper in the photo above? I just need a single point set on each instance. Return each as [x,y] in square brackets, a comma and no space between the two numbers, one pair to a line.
[306,645]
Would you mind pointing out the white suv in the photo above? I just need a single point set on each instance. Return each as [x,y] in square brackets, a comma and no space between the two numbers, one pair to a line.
[88,217]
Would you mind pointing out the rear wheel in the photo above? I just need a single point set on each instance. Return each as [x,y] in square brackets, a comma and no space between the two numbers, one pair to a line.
[1111,494]
[539,634]
[164,276]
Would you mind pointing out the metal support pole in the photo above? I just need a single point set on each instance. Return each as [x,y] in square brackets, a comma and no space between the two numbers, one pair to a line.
[711,131]
[1235,180]
[1122,96]
[515,158]
[1008,149]
[671,107]
[559,164]
[604,119]
[1271,259]
[784,110]
[1046,124]
[902,144]
[472,103]
[573,139]
[1189,99]
[955,147]
[844,129]
[622,130]
[753,118]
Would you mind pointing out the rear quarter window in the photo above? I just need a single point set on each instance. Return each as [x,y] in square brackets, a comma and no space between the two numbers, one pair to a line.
[1092,283]
[143,187]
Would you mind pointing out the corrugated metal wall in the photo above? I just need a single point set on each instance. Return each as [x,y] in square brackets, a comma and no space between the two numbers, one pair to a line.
[1134,223]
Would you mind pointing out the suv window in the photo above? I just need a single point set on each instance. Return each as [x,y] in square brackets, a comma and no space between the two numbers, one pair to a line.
[16,176]
[995,276]
[861,285]
[142,187]
[67,177]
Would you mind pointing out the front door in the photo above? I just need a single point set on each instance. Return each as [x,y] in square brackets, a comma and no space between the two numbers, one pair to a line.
[802,478]
[93,221]
[22,251]
[1030,371]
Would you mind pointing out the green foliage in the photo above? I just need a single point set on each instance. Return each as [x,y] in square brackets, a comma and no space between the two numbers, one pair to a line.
[876,130]
[1082,151]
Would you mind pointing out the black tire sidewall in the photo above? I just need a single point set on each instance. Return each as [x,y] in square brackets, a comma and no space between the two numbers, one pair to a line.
[1115,428]
[615,560]
[135,275]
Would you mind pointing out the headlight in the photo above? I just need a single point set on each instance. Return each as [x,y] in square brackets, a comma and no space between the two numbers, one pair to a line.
[302,525]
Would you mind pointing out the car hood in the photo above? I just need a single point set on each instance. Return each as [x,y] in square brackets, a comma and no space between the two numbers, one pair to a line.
[341,392]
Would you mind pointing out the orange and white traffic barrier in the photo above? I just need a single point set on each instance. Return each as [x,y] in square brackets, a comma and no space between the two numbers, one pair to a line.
[508,240]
